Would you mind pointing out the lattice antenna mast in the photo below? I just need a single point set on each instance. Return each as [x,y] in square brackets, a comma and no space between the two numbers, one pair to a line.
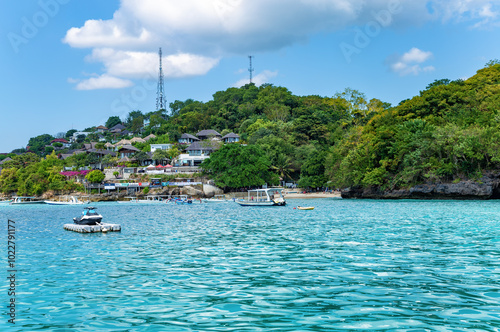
[250,69]
[160,93]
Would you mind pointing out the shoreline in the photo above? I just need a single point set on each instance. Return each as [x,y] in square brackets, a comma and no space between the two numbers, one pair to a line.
[312,195]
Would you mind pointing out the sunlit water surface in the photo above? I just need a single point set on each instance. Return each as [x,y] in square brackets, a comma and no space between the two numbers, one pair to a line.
[346,265]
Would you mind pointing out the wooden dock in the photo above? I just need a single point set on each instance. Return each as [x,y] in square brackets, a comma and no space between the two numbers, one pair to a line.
[103,227]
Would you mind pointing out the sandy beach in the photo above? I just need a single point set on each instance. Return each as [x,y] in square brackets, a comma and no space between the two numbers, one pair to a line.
[298,195]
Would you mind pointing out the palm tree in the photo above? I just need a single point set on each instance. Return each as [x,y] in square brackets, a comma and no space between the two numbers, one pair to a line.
[281,164]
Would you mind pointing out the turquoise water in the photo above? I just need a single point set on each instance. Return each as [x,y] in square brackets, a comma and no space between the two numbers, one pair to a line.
[347,265]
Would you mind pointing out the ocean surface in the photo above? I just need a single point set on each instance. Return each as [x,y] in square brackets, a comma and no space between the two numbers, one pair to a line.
[346,265]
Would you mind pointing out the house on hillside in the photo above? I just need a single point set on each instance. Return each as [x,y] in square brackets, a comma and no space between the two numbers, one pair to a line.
[208,134]
[78,133]
[197,152]
[64,142]
[101,129]
[187,139]
[231,138]
[117,128]
[127,151]
[165,147]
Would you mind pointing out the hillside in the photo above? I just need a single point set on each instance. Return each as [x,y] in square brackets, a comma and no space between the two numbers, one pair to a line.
[449,133]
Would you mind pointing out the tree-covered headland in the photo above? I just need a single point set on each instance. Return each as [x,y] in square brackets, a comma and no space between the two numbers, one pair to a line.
[447,133]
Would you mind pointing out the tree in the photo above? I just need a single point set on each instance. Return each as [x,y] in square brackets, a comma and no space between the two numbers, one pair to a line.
[137,124]
[173,152]
[113,121]
[491,63]
[92,158]
[141,156]
[80,138]
[37,144]
[160,155]
[356,102]
[95,176]
[443,81]
[70,133]
[133,115]
[312,173]
[236,166]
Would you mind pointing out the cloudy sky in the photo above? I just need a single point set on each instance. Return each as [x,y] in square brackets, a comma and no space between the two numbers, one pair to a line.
[73,63]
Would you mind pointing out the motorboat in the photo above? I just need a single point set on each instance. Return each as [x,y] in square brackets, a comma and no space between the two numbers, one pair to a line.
[149,199]
[215,199]
[5,201]
[183,199]
[71,200]
[264,197]
[305,207]
[88,217]
[26,200]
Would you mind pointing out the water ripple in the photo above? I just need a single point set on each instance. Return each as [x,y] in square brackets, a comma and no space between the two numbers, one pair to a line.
[347,265]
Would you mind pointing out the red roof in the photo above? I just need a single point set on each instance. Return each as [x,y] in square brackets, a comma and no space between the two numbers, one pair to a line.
[59,140]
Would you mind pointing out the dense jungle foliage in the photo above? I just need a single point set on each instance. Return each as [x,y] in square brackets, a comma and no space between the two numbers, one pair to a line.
[450,131]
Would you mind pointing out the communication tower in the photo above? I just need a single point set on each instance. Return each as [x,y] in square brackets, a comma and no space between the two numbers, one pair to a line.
[250,69]
[160,93]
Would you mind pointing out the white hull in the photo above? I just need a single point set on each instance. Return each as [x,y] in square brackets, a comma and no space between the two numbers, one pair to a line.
[63,203]
[247,203]
[27,202]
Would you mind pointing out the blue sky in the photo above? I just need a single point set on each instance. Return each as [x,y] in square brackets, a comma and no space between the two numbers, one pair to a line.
[72,63]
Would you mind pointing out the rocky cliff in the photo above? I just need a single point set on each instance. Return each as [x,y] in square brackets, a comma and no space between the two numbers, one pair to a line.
[486,188]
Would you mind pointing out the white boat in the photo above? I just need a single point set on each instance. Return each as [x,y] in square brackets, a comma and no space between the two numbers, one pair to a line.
[71,200]
[26,200]
[264,197]
[88,217]
[149,199]
[215,199]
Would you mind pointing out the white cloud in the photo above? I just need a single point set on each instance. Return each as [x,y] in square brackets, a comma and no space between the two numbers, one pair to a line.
[258,79]
[410,62]
[104,81]
[133,64]
[195,34]
[481,13]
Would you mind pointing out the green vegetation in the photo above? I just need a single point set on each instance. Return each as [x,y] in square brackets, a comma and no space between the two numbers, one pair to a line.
[28,174]
[450,131]
[236,166]
[96,176]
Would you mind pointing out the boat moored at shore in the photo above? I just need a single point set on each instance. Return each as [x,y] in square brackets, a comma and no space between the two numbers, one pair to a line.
[26,200]
[71,200]
[264,197]
[215,199]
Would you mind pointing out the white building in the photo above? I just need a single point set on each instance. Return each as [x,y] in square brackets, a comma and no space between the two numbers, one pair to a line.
[155,147]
